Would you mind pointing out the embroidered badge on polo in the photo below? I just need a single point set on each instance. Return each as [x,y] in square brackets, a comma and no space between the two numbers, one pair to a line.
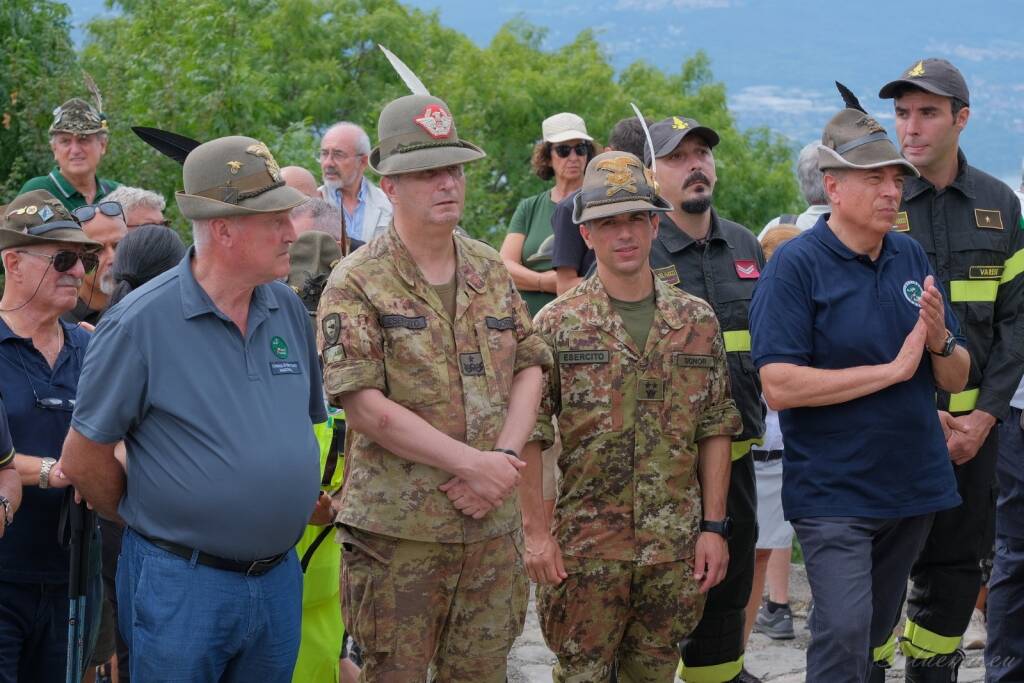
[912,292]
[435,120]
[278,346]
[746,269]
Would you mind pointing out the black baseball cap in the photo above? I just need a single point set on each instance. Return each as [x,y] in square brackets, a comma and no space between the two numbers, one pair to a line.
[931,75]
[668,133]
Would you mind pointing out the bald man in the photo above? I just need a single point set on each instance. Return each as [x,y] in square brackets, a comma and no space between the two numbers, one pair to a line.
[301,179]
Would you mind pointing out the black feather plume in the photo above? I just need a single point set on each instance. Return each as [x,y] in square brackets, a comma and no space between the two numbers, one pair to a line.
[849,98]
[167,143]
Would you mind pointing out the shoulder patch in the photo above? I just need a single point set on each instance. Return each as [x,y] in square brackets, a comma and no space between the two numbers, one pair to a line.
[990,219]
[333,354]
[902,223]
[331,325]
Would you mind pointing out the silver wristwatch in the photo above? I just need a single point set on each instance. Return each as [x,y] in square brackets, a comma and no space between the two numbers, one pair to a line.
[44,472]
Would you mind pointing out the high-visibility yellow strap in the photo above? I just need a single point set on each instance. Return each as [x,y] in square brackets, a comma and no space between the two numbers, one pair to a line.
[741,448]
[920,643]
[885,652]
[1013,267]
[973,290]
[716,673]
[737,340]
[964,401]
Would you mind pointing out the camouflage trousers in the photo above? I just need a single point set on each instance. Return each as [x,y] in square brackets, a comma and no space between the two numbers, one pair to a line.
[609,611]
[409,604]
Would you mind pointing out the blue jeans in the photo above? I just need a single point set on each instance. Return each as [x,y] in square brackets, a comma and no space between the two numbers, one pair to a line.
[184,621]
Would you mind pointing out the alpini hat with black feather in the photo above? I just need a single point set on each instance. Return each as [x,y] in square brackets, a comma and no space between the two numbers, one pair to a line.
[854,139]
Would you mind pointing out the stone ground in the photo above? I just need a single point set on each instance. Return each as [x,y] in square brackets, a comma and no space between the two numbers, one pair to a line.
[777,661]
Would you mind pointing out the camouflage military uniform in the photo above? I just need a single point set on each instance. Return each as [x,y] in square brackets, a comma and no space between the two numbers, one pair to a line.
[629,506]
[383,326]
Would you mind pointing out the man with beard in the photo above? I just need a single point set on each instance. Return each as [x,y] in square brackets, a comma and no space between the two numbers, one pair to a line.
[344,156]
[718,261]
[103,223]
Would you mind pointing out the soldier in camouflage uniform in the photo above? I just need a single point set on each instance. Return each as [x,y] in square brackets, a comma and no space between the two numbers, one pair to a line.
[431,352]
[640,391]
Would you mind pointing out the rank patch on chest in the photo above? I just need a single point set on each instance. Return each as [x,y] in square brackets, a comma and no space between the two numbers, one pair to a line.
[746,269]
[581,357]
[394,320]
[688,360]
[471,364]
[990,219]
[651,390]
[985,272]
[500,323]
[669,275]
[902,223]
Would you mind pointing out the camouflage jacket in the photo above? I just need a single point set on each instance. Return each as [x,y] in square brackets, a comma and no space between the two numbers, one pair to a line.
[630,422]
[382,326]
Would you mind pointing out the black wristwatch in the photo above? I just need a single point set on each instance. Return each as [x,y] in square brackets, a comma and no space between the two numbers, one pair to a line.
[722,528]
[947,346]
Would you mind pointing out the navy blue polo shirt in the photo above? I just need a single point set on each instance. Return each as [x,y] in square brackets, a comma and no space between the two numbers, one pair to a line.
[218,426]
[29,551]
[819,304]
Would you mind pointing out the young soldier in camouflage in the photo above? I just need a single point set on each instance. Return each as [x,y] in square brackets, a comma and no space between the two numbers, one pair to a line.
[640,391]
[429,349]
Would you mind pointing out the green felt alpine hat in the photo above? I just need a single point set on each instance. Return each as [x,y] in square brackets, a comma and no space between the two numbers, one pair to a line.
[37,217]
[616,182]
[417,133]
[853,139]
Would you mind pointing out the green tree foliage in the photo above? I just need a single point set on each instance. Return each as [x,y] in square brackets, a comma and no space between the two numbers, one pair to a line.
[283,71]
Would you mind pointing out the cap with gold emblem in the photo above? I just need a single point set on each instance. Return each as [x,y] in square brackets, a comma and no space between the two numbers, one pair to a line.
[853,139]
[668,133]
[932,75]
[417,133]
[78,117]
[233,176]
[313,255]
[616,182]
[37,217]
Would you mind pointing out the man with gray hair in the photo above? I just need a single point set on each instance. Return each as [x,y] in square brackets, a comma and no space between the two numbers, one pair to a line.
[141,207]
[344,156]
[317,214]
[809,177]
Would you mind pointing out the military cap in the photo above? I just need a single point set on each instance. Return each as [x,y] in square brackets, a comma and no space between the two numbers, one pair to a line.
[616,182]
[668,133]
[37,217]
[417,133]
[313,255]
[233,176]
[931,75]
[853,139]
[78,117]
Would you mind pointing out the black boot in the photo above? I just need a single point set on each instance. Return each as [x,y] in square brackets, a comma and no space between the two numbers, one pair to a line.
[937,669]
[877,673]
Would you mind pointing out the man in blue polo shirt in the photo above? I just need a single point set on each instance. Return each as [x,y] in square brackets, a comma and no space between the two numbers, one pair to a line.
[840,322]
[209,373]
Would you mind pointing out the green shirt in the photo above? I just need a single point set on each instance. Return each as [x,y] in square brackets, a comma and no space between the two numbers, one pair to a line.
[637,317]
[533,219]
[59,186]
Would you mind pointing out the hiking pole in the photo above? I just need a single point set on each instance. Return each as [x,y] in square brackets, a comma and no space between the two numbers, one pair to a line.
[79,522]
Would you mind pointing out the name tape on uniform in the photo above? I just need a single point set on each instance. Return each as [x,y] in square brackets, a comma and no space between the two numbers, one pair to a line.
[579,357]
[285,367]
[669,275]
[688,360]
[394,320]
[500,323]
[985,272]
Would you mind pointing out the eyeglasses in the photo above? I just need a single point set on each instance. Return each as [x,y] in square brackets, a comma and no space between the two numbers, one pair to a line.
[582,149]
[63,261]
[336,155]
[88,212]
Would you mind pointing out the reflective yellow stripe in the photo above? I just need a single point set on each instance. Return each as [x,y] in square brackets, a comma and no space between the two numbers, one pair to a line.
[737,340]
[716,673]
[920,643]
[973,290]
[741,448]
[885,652]
[1013,267]
[964,401]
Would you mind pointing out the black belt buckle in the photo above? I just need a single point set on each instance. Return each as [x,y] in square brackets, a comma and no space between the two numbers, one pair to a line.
[260,567]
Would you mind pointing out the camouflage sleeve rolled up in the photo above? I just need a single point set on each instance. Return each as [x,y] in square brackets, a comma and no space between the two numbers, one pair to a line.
[721,417]
[544,430]
[530,349]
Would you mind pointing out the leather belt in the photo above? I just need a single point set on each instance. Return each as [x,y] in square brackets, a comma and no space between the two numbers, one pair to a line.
[253,568]
[766,456]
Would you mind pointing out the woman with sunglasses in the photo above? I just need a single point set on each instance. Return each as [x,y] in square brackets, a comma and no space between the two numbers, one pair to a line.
[562,154]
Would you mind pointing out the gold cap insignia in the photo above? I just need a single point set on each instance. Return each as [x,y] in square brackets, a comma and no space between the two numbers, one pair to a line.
[619,178]
[918,70]
[260,150]
[679,124]
[235,166]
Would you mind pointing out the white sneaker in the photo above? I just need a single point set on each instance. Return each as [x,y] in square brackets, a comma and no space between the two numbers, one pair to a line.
[976,634]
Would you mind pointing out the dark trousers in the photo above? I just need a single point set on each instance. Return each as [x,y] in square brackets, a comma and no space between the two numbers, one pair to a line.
[858,569]
[110,535]
[33,631]
[718,638]
[947,575]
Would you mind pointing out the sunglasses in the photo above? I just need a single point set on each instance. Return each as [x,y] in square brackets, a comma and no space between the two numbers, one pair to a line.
[63,261]
[88,212]
[582,149]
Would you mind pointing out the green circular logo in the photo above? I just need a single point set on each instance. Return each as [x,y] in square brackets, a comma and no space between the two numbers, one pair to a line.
[279,348]
[912,291]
